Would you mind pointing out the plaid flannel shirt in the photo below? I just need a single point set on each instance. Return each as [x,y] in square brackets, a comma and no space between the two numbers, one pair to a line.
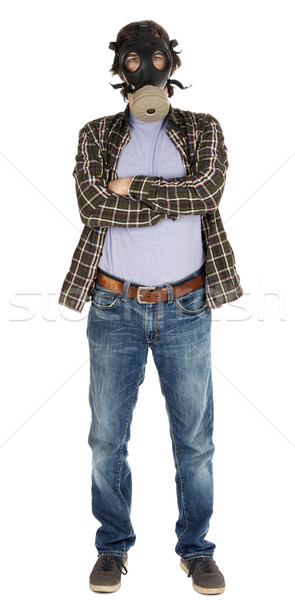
[199,139]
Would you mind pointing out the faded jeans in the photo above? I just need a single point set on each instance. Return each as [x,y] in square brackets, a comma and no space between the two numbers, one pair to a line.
[120,330]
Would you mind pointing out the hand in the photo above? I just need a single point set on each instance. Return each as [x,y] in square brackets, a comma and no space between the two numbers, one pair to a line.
[120,186]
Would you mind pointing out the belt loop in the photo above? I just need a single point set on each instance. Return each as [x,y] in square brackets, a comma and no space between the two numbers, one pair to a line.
[168,286]
[125,290]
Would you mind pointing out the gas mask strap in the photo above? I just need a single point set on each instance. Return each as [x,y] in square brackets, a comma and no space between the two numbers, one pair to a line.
[172,44]
[124,85]
[114,46]
[143,28]
[175,82]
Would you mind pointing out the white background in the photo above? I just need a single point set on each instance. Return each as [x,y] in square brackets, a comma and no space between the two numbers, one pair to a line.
[239,56]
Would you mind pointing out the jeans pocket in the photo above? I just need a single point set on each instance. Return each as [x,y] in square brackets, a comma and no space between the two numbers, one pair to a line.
[193,303]
[103,299]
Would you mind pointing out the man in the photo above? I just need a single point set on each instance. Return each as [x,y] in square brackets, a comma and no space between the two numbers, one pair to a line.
[154,260]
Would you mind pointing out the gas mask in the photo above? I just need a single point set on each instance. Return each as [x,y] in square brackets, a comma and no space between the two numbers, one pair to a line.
[146,63]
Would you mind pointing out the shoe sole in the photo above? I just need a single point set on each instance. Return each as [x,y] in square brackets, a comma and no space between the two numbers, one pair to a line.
[202,590]
[107,588]
[104,588]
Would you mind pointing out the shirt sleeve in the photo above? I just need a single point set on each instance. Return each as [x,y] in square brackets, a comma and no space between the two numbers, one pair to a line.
[198,194]
[98,206]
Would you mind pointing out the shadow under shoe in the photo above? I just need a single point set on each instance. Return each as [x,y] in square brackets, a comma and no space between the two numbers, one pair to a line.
[206,577]
[106,573]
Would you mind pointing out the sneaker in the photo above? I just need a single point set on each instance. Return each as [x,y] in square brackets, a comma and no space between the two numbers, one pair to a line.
[206,577]
[106,573]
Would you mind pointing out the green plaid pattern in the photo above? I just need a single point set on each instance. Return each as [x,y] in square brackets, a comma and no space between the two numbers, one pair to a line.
[200,141]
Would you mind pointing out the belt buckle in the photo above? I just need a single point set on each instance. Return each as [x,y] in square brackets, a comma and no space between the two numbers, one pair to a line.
[146,288]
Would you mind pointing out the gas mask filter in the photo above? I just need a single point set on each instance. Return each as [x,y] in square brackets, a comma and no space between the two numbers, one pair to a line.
[146,62]
[150,103]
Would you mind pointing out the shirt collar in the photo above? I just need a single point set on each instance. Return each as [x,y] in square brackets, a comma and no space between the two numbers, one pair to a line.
[176,115]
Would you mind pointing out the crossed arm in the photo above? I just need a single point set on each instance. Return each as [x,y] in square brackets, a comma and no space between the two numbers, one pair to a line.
[142,201]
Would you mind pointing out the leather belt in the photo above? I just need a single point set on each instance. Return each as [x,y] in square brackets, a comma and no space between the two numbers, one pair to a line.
[145,294]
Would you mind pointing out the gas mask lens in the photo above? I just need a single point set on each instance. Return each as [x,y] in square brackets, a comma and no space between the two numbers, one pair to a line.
[159,60]
[132,62]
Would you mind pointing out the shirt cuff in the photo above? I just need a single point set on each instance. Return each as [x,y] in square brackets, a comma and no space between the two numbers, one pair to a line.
[140,188]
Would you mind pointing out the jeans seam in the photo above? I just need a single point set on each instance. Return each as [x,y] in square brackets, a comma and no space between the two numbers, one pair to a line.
[197,555]
[157,326]
[121,462]
[180,477]
[111,553]
[157,318]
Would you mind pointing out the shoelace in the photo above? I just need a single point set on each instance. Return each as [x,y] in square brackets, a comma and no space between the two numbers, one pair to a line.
[206,565]
[107,564]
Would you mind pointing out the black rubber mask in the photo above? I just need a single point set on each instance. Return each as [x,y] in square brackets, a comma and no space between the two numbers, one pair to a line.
[147,82]
[145,45]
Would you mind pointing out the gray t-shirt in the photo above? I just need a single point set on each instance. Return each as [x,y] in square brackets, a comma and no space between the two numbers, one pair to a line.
[170,250]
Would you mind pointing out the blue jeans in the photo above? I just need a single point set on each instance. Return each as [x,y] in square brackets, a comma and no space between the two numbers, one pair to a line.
[120,331]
